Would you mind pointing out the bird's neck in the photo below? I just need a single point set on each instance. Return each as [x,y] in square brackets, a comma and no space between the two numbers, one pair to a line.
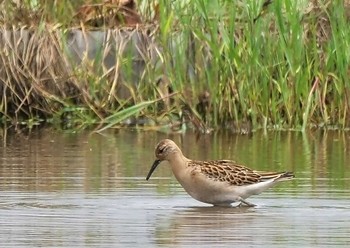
[178,163]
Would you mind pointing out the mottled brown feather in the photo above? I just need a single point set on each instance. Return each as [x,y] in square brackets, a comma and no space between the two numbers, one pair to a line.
[232,173]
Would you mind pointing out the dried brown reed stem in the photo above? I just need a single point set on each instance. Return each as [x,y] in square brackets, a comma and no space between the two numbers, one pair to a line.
[43,70]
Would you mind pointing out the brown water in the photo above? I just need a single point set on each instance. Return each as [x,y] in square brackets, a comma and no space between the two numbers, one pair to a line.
[89,190]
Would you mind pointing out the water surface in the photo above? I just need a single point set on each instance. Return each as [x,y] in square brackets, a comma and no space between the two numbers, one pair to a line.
[89,190]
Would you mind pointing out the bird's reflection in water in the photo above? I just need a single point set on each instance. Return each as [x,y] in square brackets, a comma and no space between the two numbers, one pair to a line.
[206,225]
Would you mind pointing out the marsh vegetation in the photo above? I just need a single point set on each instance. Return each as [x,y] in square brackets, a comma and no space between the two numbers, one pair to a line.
[241,65]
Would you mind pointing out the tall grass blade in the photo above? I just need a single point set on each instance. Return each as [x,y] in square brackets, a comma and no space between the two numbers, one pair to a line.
[122,115]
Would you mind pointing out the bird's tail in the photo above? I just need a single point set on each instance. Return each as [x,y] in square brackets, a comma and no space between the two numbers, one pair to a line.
[277,176]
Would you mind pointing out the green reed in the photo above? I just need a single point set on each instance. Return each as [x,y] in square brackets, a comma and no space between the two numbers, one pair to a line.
[287,69]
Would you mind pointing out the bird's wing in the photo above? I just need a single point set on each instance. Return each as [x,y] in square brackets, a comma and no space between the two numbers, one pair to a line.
[227,171]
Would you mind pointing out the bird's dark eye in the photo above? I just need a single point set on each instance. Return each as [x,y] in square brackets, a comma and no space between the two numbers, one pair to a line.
[162,149]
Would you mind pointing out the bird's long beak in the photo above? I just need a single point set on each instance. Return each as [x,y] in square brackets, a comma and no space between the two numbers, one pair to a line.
[154,166]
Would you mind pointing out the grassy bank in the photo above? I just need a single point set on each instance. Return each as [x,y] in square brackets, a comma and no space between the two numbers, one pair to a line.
[241,65]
